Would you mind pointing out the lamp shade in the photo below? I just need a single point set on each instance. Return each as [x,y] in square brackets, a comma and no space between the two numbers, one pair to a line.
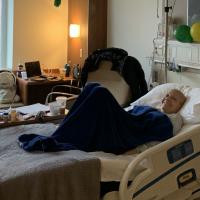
[74,30]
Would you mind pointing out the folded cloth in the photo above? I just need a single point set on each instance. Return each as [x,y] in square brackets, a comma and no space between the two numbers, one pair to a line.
[96,122]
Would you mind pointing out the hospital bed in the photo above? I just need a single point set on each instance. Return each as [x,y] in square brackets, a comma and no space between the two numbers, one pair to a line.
[168,170]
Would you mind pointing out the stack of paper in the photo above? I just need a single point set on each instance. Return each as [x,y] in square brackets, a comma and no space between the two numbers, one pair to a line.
[32,109]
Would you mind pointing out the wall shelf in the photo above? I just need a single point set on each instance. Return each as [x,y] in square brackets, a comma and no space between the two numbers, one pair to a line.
[183,59]
[186,55]
[189,65]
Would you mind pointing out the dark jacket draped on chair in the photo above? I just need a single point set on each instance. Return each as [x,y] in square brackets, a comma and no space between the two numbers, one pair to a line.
[128,67]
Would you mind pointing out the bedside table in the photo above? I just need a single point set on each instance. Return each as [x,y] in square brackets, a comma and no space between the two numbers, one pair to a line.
[36,91]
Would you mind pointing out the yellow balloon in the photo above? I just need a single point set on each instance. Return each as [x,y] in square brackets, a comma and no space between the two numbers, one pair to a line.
[195,32]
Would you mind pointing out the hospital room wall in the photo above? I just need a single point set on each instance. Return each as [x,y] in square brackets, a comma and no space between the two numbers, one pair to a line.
[40,32]
[132,25]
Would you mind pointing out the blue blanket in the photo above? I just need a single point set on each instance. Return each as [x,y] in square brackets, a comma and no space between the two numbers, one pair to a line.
[96,122]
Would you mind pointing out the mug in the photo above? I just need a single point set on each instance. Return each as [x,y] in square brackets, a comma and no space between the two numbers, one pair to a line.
[61,100]
[54,108]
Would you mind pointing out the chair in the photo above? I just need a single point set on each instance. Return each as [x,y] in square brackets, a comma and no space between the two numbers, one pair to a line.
[114,69]
[8,90]
[112,80]
[69,91]
[121,74]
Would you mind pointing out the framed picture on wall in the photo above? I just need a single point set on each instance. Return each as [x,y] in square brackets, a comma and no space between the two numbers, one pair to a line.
[193,11]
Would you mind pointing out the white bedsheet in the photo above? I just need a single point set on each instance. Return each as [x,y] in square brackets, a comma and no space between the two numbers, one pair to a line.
[113,166]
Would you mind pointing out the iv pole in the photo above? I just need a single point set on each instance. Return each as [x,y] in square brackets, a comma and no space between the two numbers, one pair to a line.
[167,8]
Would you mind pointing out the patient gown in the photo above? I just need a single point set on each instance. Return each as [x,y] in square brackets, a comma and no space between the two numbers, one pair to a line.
[96,122]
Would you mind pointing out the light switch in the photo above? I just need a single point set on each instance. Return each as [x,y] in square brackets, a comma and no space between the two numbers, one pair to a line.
[81,53]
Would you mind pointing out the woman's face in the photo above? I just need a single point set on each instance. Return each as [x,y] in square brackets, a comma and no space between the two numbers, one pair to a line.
[173,101]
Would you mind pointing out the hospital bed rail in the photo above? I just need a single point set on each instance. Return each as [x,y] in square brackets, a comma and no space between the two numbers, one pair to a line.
[173,171]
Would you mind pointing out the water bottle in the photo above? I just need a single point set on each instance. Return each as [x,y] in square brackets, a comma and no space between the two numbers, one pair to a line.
[5,117]
[76,71]
[67,70]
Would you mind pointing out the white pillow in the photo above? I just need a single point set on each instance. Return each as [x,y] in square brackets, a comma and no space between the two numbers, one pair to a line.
[191,109]
[155,96]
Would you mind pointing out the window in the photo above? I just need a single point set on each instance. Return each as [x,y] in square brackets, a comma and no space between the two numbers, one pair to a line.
[0,33]
[193,11]
[6,34]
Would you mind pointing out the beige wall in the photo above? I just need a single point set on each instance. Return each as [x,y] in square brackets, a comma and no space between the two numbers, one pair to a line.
[40,32]
[180,11]
[132,25]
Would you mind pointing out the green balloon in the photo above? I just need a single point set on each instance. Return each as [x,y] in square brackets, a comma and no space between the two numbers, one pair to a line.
[182,34]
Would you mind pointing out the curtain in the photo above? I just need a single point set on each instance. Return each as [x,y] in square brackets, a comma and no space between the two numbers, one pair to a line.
[1,28]
[6,34]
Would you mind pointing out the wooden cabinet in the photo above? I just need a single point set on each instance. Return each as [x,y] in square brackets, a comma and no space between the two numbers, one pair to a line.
[92,17]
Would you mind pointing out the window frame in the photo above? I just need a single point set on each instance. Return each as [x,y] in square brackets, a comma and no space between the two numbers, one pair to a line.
[6,34]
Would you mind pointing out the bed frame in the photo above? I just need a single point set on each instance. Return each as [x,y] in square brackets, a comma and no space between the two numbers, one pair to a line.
[173,171]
